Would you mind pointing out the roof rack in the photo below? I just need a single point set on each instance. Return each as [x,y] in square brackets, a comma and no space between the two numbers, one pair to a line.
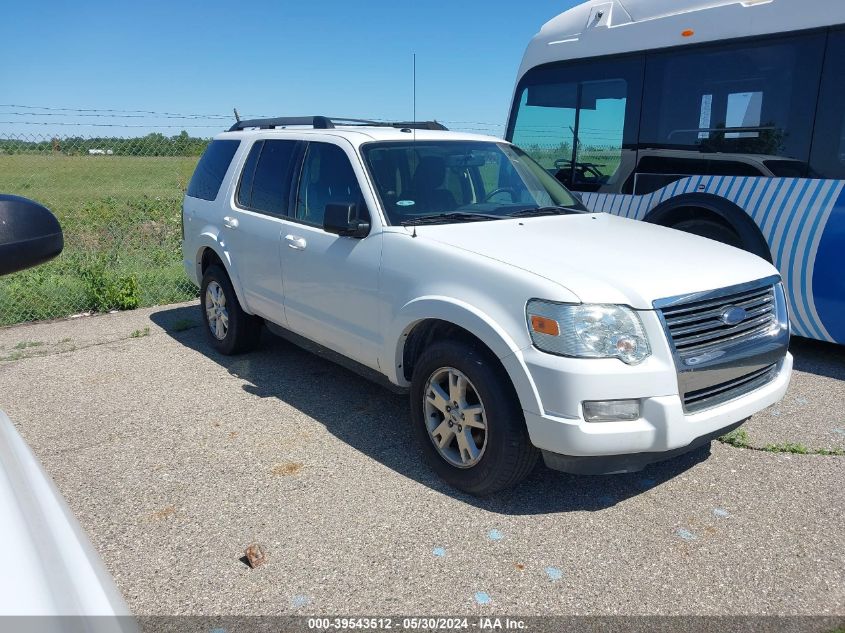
[326,123]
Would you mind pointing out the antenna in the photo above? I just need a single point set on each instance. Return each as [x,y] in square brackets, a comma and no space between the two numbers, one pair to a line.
[237,116]
[414,130]
[415,88]
[415,102]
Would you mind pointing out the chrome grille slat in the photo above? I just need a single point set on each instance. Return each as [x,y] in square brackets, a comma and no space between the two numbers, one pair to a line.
[711,303]
[721,334]
[724,392]
[730,340]
[711,323]
[752,304]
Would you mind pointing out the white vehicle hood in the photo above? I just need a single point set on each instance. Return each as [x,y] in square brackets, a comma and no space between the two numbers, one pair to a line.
[49,566]
[602,258]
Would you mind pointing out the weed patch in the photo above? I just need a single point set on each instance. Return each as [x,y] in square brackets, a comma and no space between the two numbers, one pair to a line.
[739,438]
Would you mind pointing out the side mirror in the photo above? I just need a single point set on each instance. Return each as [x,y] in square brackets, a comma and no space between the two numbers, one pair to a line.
[343,219]
[29,234]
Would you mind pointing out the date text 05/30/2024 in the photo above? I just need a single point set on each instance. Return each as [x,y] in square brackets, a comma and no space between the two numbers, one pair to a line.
[413,624]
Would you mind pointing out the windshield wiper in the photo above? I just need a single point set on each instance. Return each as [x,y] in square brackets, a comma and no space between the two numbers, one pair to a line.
[550,210]
[446,218]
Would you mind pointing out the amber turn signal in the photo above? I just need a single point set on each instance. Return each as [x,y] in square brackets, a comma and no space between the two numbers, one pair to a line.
[542,325]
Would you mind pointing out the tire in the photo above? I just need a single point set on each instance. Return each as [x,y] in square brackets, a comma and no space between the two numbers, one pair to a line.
[505,455]
[229,329]
[712,230]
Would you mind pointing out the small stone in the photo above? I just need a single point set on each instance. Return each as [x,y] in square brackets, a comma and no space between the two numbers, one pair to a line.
[255,555]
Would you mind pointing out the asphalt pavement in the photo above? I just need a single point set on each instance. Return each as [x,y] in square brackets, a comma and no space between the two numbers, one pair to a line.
[175,458]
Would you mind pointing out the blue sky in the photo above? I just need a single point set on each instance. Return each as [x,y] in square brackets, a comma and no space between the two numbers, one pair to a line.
[266,58]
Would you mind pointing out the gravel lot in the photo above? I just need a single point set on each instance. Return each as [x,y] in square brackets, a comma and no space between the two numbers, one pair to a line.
[175,458]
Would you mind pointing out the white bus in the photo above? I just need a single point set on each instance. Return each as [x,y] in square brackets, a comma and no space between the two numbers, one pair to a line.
[724,118]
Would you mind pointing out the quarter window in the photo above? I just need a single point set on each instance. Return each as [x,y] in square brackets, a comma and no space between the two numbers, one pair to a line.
[248,175]
[211,168]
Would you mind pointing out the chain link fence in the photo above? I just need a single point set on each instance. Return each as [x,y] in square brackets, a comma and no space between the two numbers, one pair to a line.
[118,199]
[119,203]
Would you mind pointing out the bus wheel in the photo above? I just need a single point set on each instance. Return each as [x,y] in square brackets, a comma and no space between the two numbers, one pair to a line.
[711,229]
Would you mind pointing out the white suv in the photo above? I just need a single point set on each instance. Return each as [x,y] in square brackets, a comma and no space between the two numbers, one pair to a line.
[455,266]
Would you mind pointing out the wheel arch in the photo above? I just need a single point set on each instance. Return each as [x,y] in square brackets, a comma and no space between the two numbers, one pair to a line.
[209,252]
[424,319]
[708,206]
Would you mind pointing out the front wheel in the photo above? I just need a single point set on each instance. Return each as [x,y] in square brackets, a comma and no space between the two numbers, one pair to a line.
[467,419]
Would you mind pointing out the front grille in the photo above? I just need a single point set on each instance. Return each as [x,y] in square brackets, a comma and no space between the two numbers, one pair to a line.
[698,325]
[721,393]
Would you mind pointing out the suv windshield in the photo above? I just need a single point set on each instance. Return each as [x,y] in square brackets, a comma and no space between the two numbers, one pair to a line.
[462,181]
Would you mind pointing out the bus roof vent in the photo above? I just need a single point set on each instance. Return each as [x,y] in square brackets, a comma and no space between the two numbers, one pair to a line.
[600,15]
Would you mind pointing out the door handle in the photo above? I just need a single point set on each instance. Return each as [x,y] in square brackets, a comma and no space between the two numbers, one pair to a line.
[295,242]
[230,223]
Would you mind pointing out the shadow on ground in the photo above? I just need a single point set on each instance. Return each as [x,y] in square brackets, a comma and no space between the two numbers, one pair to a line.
[816,357]
[375,421]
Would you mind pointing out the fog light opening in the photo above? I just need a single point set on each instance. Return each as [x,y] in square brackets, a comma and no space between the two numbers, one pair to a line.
[611,410]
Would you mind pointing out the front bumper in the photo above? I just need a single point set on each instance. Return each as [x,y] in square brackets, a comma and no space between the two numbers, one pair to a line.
[662,431]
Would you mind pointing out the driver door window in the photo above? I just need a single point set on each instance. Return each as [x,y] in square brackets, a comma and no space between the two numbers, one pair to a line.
[327,178]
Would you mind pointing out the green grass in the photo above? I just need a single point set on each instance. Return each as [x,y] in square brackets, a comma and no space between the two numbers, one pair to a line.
[121,219]
[183,324]
[140,333]
[739,438]
[28,344]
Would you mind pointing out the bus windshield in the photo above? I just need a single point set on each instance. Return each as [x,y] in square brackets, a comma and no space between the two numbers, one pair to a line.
[461,180]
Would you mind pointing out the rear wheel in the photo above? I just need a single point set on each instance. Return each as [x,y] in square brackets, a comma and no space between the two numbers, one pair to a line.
[229,328]
[467,419]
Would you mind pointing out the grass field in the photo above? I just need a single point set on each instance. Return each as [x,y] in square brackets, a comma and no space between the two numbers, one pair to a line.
[121,220]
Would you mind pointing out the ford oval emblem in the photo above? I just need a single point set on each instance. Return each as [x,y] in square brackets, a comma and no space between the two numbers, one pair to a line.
[732,315]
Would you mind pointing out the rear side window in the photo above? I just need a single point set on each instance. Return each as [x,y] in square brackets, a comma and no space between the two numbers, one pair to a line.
[212,167]
[248,175]
[270,182]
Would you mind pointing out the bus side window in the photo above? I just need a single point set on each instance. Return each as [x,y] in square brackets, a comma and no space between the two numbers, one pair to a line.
[742,99]
[828,158]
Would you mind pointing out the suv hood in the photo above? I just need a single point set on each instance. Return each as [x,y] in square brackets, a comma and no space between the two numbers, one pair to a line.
[602,258]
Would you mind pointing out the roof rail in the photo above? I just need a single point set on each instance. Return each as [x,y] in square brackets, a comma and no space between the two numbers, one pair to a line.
[326,123]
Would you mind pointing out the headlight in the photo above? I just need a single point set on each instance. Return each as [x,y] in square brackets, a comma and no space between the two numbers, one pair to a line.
[587,331]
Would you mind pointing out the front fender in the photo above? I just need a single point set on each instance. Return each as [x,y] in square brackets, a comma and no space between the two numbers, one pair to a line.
[470,318]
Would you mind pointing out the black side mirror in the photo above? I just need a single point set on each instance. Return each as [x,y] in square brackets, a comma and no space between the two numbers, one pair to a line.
[29,234]
[343,219]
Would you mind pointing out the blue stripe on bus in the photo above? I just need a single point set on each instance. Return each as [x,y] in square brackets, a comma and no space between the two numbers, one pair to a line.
[767,191]
[751,191]
[775,217]
[807,284]
[785,209]
[795,284]
[828,284]
[785,233]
